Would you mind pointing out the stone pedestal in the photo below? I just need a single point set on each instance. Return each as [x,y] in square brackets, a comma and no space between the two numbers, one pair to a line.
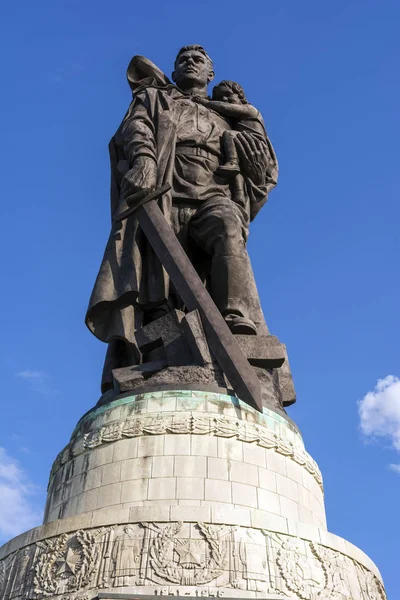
[185,493]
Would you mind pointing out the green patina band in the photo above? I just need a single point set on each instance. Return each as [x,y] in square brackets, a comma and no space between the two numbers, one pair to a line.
[191,412]
[268,418]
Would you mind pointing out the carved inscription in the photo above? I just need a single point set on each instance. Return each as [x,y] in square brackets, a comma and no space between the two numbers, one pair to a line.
[194,559]
[199,593]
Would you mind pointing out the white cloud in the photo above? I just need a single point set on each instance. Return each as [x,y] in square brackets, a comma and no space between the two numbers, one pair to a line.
[395,468]
[39,380]
[379,411]
[17,510]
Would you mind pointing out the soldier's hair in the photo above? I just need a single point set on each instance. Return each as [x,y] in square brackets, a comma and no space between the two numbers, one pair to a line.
[235,87]
[197,48]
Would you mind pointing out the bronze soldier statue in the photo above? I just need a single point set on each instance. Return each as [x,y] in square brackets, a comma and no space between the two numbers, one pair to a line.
[173,134]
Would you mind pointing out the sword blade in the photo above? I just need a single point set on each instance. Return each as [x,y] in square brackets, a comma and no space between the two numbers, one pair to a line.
[195,296]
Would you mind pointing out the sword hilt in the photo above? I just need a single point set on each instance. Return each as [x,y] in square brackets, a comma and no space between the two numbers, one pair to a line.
[152,196]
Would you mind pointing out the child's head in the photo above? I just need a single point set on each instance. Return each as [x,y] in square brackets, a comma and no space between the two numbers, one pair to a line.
[229,91]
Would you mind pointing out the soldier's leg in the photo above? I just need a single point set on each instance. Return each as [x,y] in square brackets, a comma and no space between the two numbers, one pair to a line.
[119,354]
[180,217]
[218,228]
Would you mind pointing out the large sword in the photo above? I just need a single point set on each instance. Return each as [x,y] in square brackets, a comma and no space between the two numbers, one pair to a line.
[195,296]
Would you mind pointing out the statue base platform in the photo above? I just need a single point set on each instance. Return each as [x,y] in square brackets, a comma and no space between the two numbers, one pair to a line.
[185,493]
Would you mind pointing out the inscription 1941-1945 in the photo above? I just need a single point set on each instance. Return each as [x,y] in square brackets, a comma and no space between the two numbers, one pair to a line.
[180,558]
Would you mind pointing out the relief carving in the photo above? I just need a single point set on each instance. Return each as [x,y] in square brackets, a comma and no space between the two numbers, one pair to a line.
[303,575]
[252,554]
[193,423]
[371,587]
[20,571]
[184,556]
[66,564]
[186,561]
[6,570]
[335,587]
[2,575]
[125,558]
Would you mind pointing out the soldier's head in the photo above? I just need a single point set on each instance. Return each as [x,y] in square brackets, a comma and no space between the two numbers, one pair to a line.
[193,68]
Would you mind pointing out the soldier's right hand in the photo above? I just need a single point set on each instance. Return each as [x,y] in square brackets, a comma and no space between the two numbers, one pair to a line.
[140,180]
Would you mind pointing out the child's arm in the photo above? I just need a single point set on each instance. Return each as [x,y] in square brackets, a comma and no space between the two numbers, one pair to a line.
[231,111]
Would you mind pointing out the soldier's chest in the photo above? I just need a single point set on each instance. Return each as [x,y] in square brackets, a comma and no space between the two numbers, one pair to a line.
[192,119]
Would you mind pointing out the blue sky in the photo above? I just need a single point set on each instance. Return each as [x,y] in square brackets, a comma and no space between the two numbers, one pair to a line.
[325,249]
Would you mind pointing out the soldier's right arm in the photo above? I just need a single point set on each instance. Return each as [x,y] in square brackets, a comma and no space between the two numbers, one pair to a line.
[139,143]
[138,131]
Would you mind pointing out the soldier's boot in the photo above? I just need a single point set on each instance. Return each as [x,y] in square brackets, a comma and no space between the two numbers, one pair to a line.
[229,291]
[119,354]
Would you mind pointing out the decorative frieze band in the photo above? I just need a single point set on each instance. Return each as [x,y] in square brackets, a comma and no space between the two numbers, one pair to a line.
[184,423]
[179,558]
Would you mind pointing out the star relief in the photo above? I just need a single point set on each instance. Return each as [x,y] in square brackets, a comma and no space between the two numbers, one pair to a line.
[189,552]
[68,563]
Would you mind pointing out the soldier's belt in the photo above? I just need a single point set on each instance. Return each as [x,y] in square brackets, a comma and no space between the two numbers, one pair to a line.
[195,151]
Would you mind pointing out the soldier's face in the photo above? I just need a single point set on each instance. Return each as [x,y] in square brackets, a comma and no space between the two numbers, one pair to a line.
[192,67]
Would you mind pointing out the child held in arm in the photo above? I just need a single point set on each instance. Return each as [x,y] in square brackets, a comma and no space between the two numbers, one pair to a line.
[229,100]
